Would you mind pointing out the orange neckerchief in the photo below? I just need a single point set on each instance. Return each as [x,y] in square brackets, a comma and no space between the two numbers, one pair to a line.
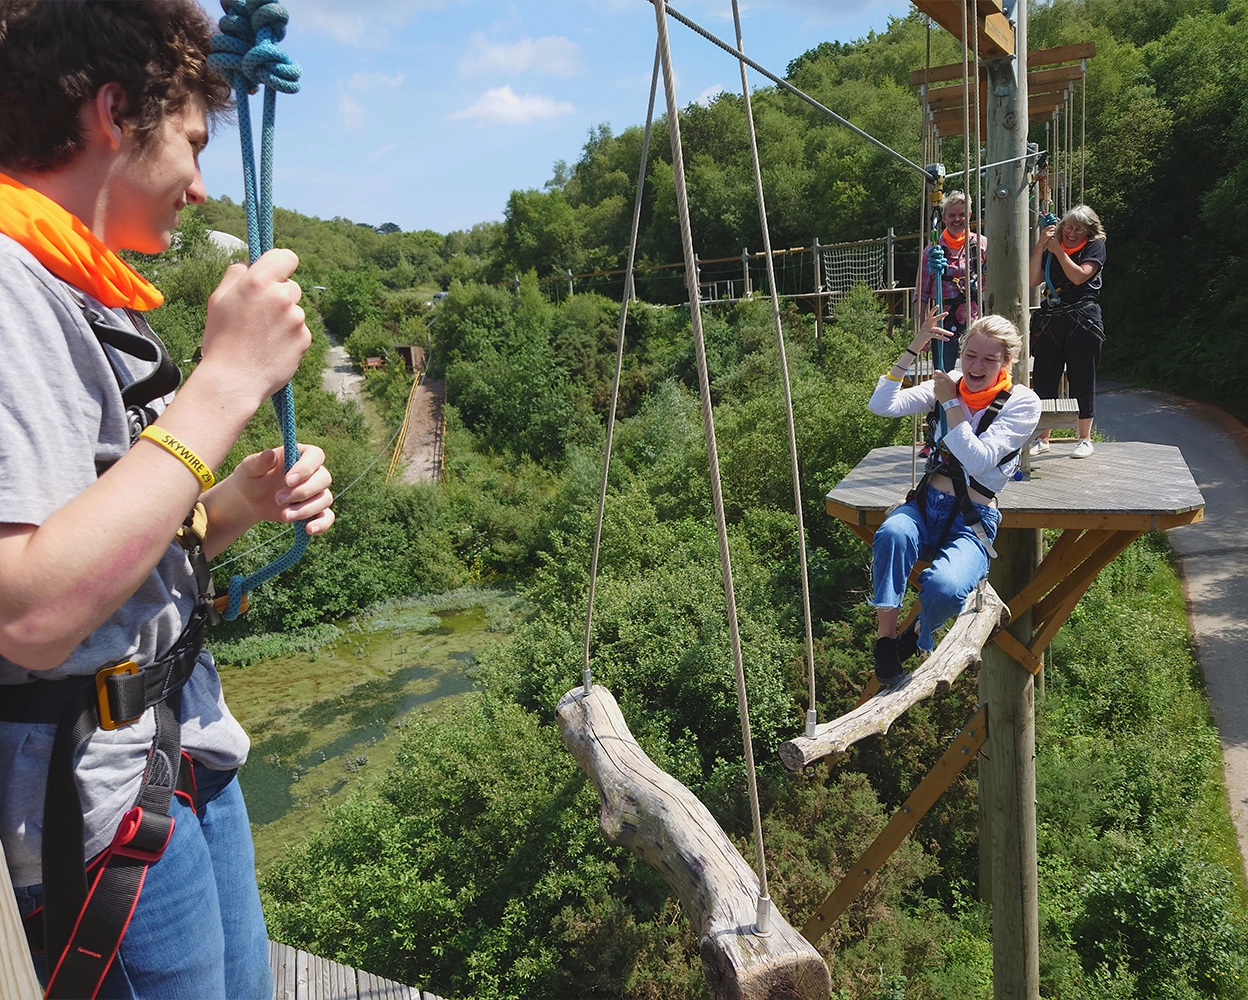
[63,244]
[954,243]
[978,400]
[1074,250]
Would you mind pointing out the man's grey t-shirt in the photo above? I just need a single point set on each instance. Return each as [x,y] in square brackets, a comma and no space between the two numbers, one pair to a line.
[62,424]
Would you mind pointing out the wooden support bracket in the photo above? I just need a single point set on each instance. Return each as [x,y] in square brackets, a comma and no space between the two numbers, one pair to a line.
[1061,579]
[963,750]
[660,820]
[933,678]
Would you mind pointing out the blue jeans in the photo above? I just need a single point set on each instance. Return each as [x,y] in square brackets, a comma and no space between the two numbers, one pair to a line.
[198,932]
[909,534]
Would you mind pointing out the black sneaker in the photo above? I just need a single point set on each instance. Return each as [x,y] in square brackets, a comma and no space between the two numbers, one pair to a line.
[887,666]
[908,642]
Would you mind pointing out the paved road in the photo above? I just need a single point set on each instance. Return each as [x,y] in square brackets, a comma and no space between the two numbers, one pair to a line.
[1213,556]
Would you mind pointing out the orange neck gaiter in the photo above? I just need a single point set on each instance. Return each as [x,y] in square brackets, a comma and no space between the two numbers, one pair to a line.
[1075,249]
[63,244]
[978,400]
[954,243]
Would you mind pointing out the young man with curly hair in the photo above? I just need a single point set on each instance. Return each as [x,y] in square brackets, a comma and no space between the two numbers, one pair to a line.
[121,818]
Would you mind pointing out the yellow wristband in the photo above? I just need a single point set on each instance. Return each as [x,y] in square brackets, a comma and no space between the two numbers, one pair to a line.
[892,378]
[182,453]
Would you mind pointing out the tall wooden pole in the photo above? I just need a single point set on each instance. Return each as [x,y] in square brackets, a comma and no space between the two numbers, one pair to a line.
[1007,768]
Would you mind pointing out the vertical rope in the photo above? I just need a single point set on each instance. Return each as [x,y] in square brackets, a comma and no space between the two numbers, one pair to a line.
[1083,128]
[811,711]
[708,421]
[586,675]
[1070,152]
[246,51]
[979,189]
[966,148]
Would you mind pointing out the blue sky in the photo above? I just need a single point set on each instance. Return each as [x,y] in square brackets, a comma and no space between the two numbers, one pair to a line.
[428,113]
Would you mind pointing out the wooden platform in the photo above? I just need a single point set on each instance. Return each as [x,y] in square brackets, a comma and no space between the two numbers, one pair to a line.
[300,976]
[1122,486]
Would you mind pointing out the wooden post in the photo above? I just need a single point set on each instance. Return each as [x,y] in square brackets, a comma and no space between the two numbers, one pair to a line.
[745,273]
[1007,770]
[818,293]
[1007,789]
[890,278]
[17,974]
[569,273]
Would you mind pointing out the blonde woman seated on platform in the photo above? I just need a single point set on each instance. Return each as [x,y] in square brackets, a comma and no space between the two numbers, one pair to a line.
[978,421]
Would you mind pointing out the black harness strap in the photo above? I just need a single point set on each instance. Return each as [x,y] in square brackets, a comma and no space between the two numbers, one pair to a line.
[943,462]
[136,395]
[82,925]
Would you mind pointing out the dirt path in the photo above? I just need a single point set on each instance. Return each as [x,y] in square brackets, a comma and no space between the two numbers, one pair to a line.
[339,375]
[422,448]
[1212,556]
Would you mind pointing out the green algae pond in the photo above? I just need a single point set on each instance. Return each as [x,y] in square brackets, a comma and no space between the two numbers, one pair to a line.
[326,722]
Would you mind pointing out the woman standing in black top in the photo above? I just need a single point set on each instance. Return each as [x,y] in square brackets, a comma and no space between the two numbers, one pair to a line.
[1067,332]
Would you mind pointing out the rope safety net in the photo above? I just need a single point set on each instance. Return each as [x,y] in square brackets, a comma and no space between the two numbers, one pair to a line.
[846,266]
[246,52]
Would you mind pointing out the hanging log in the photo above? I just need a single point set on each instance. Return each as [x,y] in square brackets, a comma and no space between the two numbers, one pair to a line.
[959,649]
[661,821]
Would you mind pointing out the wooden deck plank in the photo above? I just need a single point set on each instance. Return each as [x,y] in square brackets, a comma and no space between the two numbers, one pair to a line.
[301,975]
[1122,486]
[282,961]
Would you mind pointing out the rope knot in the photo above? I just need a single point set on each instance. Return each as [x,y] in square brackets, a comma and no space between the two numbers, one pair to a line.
[245,47]
[936,261]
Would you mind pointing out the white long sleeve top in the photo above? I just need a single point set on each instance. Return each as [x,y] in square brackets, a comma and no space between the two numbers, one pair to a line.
[981,457]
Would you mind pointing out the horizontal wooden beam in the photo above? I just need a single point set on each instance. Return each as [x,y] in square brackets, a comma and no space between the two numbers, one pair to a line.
[660,820]
[996,33]
[1060,54]
[959,649]
[1035,58]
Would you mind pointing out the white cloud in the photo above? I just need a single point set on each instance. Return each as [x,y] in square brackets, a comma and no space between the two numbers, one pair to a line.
[357,23]
[711,92]
[377,154]
[352,112]
[367,81]
[553,55]
[503,106]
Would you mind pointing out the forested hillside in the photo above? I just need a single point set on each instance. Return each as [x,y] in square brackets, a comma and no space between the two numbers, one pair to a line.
[477,868]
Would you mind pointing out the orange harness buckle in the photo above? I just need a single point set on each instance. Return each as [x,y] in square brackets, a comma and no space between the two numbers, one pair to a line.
[101,694]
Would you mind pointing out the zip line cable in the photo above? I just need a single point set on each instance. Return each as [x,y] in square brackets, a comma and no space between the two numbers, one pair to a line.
[586,675]
[811,712]
[785,85]
[762,925]
[245,50]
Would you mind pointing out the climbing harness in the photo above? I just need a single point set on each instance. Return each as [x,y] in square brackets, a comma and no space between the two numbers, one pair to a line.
[246,51]
[942,462]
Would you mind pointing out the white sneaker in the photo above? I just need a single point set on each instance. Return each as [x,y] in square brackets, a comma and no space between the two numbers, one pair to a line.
[1040,446]
[1083,449]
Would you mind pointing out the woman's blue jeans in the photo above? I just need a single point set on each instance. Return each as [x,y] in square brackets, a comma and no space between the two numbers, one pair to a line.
[198,932]
[909,534]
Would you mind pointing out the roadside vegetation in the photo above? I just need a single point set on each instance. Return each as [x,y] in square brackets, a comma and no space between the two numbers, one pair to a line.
[473,866]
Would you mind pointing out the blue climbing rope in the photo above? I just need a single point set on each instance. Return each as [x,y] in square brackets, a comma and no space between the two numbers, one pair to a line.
[246,51]
[1051,294]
